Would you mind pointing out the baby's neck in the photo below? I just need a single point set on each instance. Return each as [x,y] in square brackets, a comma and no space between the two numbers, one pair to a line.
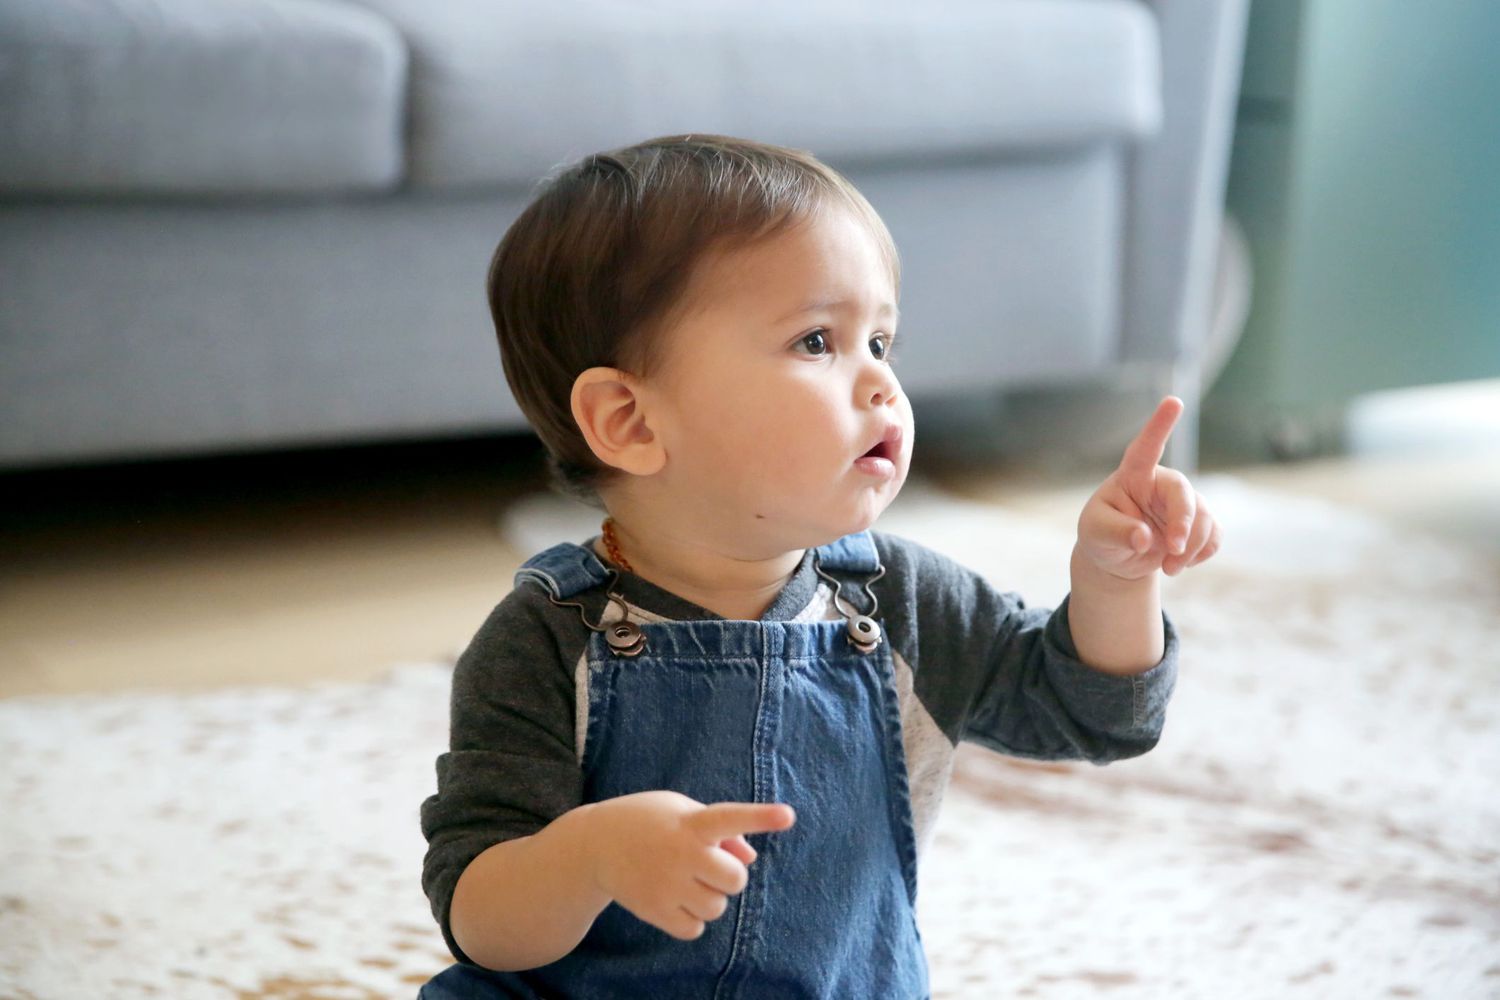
[735,588]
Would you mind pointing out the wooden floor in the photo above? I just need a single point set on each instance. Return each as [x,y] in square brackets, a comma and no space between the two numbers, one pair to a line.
[302,567]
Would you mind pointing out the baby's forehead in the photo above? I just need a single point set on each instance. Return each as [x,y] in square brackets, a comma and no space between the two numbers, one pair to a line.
[828,256]
[795,268]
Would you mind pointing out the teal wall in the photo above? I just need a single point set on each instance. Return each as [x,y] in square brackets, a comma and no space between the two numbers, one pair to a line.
[1366,171]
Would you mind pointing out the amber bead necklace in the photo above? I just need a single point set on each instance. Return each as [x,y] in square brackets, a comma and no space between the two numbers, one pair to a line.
[612,545]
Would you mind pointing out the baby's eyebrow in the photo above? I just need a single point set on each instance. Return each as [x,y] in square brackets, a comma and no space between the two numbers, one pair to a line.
[886,308]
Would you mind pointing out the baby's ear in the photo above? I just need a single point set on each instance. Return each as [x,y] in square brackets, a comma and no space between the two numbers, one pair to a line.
[613,422]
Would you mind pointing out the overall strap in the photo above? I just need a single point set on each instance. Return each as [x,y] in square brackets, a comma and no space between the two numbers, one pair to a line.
[564,570]
[853,553]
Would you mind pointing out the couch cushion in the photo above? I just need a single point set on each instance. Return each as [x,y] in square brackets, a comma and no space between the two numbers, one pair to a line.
[232,96]
[503,90]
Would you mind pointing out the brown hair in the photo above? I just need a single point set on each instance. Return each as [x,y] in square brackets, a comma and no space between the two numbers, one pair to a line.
[599,262]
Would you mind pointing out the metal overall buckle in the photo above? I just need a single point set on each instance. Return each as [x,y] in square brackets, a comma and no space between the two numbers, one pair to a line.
[625,637]
[864,630]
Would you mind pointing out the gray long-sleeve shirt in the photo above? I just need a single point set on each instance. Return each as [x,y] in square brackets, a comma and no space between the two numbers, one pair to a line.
[972,663]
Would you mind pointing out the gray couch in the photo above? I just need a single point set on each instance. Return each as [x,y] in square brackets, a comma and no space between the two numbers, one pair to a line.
[265,223]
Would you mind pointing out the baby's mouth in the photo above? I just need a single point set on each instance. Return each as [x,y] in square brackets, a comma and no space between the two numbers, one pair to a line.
[880,460]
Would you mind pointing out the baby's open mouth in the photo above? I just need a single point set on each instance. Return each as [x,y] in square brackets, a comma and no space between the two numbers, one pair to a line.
[880,460]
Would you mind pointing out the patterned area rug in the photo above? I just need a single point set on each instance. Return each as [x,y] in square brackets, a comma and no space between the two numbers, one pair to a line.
[1319,819]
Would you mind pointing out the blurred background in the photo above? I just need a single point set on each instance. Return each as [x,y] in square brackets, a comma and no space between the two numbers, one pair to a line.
[253,424]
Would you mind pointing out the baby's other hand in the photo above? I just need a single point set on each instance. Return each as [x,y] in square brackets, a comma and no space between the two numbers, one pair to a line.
[674,862]
[1147,517]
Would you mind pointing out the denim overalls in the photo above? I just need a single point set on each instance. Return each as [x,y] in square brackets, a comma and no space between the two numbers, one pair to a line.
[749,711]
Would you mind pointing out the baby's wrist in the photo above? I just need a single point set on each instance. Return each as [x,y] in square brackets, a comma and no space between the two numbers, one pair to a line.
[584,829]
[1085,572]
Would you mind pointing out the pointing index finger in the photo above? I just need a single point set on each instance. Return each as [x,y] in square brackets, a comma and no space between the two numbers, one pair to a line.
[1144,453]
[728,819]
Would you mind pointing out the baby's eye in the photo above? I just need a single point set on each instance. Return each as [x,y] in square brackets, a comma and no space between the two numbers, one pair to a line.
[881,345]
[815,343]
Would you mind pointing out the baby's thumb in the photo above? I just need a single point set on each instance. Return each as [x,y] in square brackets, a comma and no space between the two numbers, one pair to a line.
[1118,529]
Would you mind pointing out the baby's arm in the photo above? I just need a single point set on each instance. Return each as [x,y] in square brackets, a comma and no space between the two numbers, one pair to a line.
[1116,624]
[669,860]
[529,901]
[501,827]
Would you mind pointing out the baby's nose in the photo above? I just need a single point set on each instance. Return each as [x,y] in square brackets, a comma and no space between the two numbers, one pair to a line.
[884,390]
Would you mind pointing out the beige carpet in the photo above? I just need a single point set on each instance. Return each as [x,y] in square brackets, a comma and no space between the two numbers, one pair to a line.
[1319,819]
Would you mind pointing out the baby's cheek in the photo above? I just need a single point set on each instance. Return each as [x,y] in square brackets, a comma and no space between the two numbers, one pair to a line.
[783,454]
[785,472]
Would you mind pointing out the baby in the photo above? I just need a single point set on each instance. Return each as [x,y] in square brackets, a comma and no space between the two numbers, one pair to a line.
[701,754]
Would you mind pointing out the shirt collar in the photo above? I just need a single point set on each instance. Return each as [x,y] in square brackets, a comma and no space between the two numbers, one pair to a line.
[793,598]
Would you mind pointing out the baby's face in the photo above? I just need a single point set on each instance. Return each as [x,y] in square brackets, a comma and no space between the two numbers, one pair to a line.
[769,408]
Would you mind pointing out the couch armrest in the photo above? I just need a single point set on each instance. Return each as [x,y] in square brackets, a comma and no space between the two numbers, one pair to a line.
[1176,182]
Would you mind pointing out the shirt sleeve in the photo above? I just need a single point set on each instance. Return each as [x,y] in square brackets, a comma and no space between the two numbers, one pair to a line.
[1039,700]
[511,767]
[995,672]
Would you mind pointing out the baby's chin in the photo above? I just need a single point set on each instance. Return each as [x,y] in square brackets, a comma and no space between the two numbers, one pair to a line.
[871,506]
[870,521]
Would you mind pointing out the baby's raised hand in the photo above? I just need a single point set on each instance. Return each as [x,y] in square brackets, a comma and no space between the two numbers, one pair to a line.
[1147,517]
[674,862]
